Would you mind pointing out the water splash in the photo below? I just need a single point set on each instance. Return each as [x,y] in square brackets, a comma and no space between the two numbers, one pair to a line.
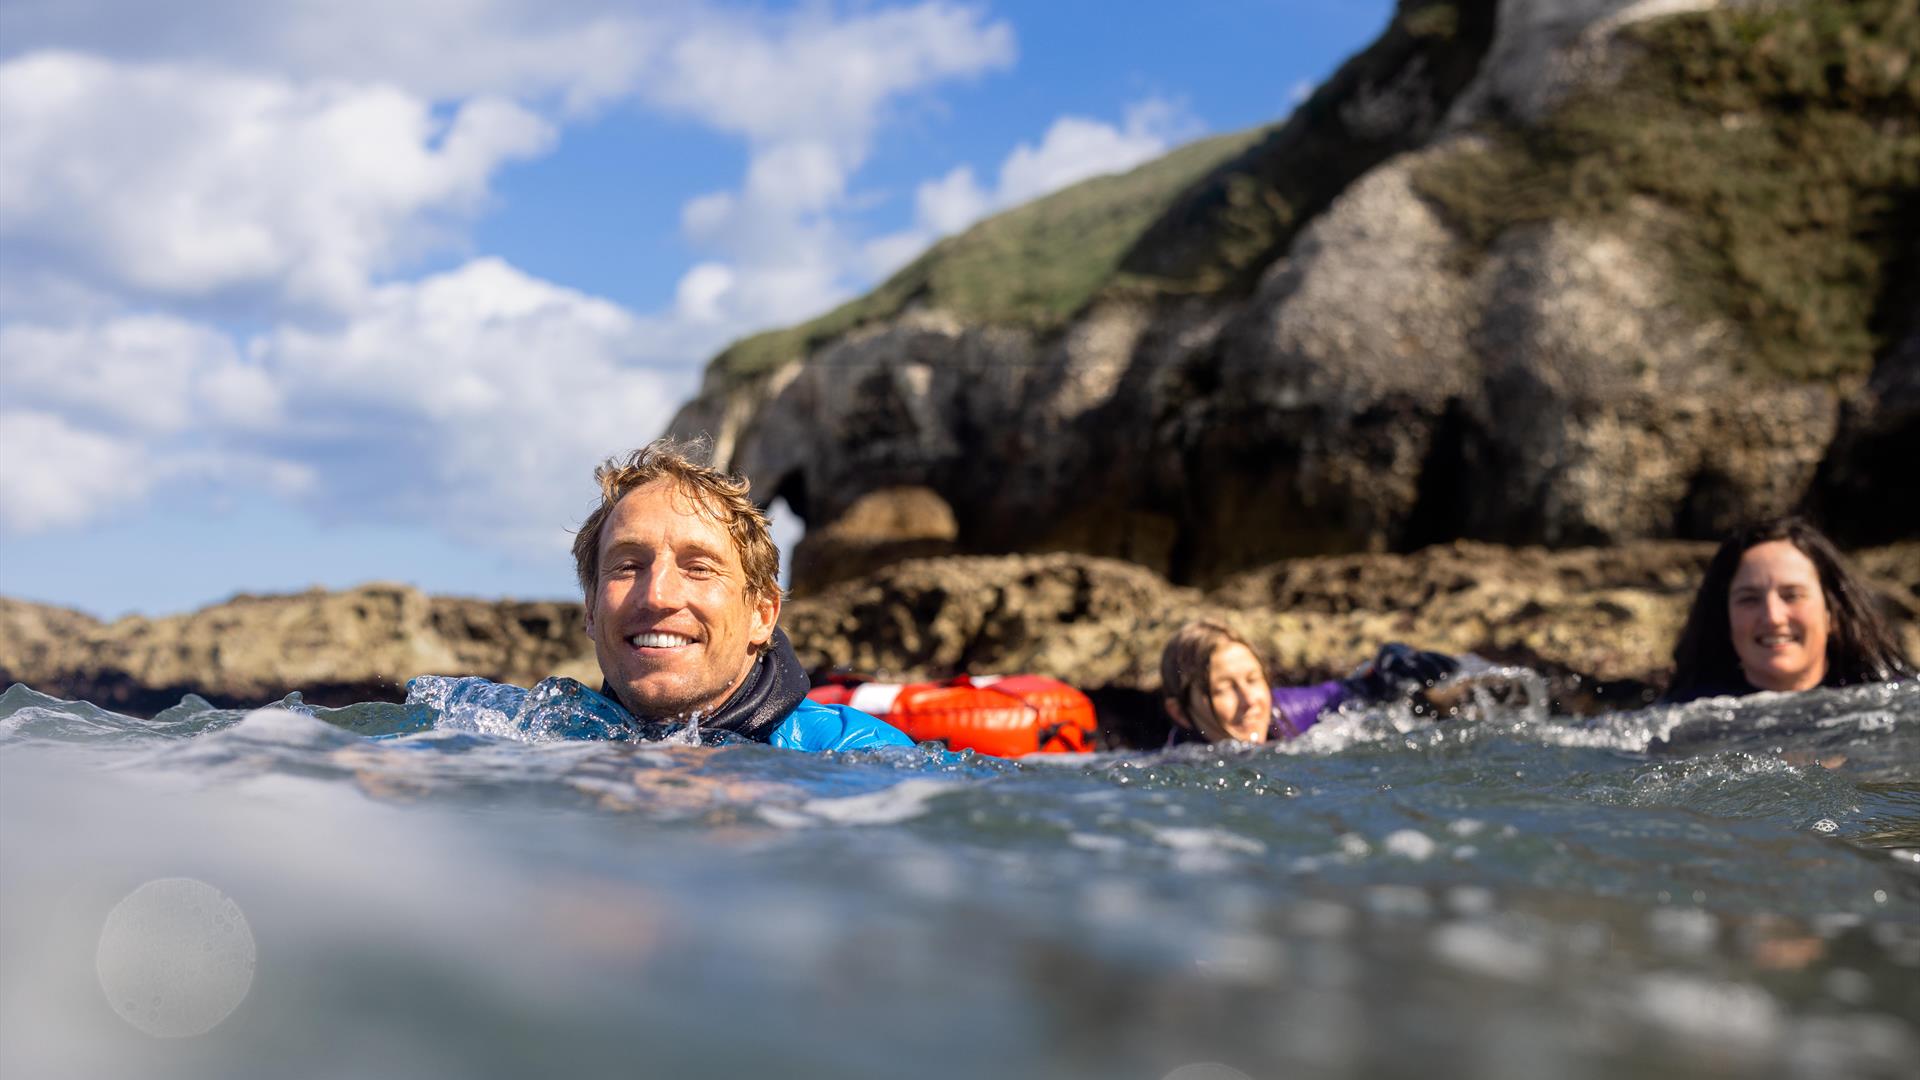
[459,878]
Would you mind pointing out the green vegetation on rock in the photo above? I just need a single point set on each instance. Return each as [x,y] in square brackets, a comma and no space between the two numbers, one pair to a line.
[1034,265]
[1225,231]
[1206,218]
[1781,144]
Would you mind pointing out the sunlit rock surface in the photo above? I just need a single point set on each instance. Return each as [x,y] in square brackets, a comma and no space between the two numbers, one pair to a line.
[1513,274]
[1595,620]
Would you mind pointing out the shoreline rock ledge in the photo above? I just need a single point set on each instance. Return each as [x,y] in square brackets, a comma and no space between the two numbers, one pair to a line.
[1599,622]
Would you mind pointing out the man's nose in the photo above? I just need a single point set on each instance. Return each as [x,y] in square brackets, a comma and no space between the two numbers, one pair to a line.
[663,587]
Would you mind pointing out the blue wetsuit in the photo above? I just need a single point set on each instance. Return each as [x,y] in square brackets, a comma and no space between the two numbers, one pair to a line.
[771,707]
[813,726]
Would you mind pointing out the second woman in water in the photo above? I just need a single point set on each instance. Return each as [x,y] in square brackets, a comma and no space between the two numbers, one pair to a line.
[1779,610]
[1215,686]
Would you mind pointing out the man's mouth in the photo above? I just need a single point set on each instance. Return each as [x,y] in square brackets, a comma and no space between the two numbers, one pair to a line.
[658,639]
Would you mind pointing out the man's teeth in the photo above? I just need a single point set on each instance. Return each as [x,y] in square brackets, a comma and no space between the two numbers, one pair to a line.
[657,640]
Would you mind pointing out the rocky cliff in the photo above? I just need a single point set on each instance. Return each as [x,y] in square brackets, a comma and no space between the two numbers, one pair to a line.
[1599,622]
[1556,272]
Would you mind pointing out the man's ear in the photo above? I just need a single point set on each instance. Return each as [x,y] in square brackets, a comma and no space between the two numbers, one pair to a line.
[766,613]
[1179,714]
[586,616]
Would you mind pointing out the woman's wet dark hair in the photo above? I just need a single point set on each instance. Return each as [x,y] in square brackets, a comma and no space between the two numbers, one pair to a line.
[1860,649]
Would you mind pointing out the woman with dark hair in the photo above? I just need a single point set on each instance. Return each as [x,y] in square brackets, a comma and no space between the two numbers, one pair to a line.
[1216,689]
[1779,610]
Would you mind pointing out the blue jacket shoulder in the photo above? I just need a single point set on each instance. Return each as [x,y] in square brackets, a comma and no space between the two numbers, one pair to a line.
[812,726]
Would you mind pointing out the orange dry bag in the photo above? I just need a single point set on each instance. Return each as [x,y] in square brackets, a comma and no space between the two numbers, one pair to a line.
[1003,716]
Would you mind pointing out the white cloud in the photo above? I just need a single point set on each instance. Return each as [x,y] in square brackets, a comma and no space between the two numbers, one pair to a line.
[148,373]
[475,402]
[1074,148]
[579,52]
[810,77]
[701,289]
[170,174]
[56,474]
[174,183]
[952,202]
[807,93]
[487,395]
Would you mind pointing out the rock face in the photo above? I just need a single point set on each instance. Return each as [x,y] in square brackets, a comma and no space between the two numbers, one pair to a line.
[1600,622]
[1421,310]
[335,648]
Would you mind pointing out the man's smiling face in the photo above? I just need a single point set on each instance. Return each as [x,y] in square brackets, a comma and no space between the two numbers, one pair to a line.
[671,619]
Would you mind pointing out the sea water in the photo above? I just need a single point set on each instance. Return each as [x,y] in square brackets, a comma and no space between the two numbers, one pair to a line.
[1730,888]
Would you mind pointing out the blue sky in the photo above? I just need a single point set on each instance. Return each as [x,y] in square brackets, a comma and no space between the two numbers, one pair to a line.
[304,294]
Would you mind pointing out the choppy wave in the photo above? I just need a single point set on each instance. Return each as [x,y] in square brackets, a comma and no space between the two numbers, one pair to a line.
[449,887]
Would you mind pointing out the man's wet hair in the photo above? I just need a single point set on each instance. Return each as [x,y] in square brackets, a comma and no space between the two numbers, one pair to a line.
[722,496]
[1860,649]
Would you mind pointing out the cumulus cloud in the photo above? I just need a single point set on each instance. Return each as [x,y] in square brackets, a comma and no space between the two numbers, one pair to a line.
[60,473]
[579,53]
[170,183]
[146,373]
[807,93]
[1074,148]
[486,394]
[210,213]
[476,402]
[57,474]
[820,79]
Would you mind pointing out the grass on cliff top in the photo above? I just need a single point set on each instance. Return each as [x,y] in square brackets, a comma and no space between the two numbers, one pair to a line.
[1786,140]
[1034,265]
[1221,235]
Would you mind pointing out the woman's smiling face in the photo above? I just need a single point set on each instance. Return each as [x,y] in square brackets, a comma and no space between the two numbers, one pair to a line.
[1239,699]
[1779,617]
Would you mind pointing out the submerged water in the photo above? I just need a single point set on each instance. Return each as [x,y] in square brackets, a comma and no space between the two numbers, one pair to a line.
[436,889]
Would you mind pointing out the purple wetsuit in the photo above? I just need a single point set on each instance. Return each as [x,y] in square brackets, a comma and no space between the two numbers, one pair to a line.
[1297,708]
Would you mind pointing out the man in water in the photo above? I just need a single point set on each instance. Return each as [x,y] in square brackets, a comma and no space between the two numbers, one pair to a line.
[682,596]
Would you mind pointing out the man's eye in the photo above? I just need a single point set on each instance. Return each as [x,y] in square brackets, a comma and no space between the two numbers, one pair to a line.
[700,570]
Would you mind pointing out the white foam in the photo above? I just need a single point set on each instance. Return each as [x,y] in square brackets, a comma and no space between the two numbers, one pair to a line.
[1216,840]
[1727,1013]
[1484,949]
[1410,844]
[1689,931]
[888,806]
[286,728]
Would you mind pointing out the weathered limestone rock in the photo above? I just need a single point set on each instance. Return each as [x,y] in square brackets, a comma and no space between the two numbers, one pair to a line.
[335,648]
[1289,365]
[1600,622]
